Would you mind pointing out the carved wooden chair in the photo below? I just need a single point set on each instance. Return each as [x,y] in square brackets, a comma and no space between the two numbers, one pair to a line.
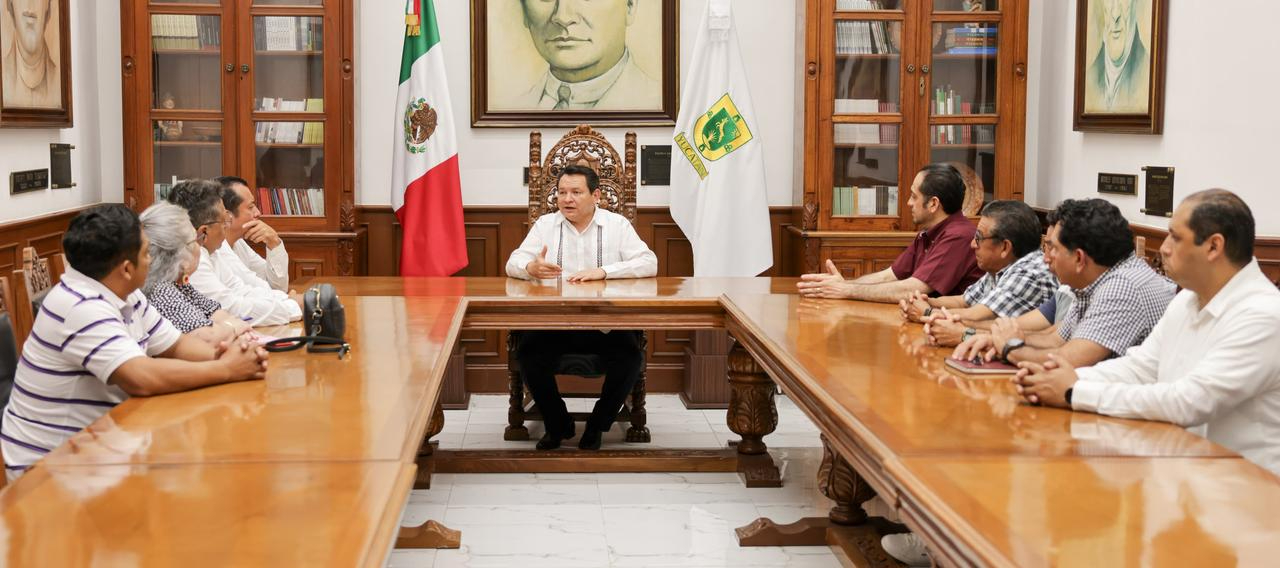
[8,348]
[581,146]
[31,283]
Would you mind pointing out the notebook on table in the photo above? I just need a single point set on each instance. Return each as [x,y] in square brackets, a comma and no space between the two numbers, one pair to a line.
[968,367]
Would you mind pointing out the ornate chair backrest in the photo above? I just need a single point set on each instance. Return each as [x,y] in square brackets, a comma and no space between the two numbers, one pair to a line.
[583,146]
[35,272]
[29,284]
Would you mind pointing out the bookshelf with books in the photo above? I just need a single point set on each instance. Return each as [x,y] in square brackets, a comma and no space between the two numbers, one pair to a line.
[891,85]
[253,88]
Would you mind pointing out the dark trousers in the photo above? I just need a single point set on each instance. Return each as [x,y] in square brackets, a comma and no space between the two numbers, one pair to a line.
[539,355]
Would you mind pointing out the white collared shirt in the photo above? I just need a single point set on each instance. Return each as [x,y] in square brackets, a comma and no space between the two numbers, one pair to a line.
[81,335]
[609,242]
[584,94]
[274,269]
[1214,370]
[226,280]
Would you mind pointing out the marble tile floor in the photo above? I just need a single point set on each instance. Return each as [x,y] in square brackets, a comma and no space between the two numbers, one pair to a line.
[620,519]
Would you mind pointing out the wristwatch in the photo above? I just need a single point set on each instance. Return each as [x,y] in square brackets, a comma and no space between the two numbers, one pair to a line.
[968,332]
[927,312]
[1067,395]
[1009,346]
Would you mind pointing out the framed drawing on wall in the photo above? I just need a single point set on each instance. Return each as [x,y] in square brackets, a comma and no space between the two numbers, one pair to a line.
[569,62]
[1120,62]
[35,61]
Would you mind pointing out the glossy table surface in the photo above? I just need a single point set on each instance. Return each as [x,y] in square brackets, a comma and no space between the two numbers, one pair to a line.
[1099,511]
[259,514]
[372,404]
[322,451]
[875,377]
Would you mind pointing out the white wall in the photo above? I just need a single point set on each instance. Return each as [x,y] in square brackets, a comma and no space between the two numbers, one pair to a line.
[98,161]
[492,159]
[1220,119]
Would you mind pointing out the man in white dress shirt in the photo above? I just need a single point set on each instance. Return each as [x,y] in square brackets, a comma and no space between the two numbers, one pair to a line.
[220,275]
[1210,364]
[579,243]
[247,227]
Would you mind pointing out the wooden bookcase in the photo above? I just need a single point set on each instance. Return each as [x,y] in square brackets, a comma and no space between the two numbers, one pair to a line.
[889,86]
[262,89]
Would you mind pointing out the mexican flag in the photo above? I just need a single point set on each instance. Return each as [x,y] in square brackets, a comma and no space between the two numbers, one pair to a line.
[425,190]
[718,192]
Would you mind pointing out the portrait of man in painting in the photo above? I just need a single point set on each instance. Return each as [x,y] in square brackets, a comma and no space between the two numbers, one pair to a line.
[575,55]
[1118,80]
[30,37]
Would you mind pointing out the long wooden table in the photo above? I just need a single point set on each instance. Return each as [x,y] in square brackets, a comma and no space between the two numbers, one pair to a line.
[984,479]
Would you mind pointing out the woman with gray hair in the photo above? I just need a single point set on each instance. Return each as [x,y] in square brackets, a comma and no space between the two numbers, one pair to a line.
[174,256]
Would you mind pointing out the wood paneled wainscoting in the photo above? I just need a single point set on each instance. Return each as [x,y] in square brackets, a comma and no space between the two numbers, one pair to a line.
[494,231]
[43,232]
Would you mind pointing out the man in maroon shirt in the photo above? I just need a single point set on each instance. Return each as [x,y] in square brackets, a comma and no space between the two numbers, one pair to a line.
[938,262]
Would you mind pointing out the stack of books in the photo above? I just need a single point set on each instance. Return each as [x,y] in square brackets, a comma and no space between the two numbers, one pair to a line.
[855,38]
[965,40]
[943,135]
[291,201]
[848,201]
[290,132]
[172,32]
[287,33]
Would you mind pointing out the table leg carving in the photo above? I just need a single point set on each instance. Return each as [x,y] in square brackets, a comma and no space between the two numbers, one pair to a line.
[516,430]
[429,535]
[752,415]
[639,430]
[839,482]
[426,465]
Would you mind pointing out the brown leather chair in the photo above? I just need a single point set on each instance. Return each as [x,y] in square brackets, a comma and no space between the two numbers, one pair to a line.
[31,283]
[581,146]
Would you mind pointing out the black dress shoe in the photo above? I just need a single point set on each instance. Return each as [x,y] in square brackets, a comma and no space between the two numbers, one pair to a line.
[551,441]
[590,440]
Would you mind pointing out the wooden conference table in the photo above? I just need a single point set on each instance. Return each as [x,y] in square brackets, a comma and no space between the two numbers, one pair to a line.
[313,465]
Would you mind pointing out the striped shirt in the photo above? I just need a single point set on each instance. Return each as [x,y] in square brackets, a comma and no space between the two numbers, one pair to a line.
[82,334]
[1016,289]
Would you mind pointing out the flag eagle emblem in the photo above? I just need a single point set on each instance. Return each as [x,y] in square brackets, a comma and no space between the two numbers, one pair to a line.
[420,122]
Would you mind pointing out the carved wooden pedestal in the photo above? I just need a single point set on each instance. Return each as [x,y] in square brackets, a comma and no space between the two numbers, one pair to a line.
[430,534]
[845,526]
[752,415]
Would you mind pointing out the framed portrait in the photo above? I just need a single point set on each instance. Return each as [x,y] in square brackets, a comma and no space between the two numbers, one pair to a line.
[35,61]
[1120,62]
[569,62]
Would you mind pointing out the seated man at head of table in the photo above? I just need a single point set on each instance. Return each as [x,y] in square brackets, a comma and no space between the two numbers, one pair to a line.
[1212,362]
[97,341]
[938,262]
[220,275]
[584,242]
[1118,297]
[1017,280]
[248,227]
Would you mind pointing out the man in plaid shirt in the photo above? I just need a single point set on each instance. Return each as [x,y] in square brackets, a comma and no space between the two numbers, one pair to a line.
[1017,280]
[1118,297]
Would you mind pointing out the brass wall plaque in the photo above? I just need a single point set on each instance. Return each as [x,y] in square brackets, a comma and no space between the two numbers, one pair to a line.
[28,180]
[655,164]
[1120,184]
[1159,191]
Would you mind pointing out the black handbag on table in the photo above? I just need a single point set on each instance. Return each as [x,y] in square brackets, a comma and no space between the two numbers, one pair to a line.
[323,321]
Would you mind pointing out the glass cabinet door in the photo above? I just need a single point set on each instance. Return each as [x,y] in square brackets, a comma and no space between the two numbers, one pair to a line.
[866,115]
[187,89]
[288,113]
[964,55]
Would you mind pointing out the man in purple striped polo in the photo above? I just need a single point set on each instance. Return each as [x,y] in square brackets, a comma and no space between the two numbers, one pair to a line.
[96,341]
